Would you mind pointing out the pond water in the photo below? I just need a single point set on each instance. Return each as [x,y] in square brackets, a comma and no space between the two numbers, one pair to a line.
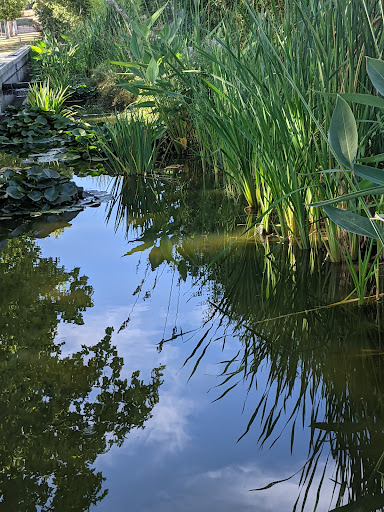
[250,373]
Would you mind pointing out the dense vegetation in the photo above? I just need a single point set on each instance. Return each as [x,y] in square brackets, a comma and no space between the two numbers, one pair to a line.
[252,94]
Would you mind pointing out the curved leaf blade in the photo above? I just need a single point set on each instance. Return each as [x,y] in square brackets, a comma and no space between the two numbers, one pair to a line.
[375,70]
[353,222]
[342,135]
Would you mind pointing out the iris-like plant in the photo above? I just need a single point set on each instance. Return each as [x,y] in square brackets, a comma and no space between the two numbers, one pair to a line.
[130,144]
[48,99]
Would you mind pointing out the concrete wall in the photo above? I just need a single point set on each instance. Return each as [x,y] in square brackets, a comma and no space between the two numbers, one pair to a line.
[13,68]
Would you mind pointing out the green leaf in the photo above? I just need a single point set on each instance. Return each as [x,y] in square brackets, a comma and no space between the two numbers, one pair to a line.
[342,134]
[50,173]
[375,70]
[35,195]
[152,71]
[41,120]
[352,195]
[370,173]
[353,222]
[141,30]
[14,193]
[51,194]
[364,99]
[152,20]
[136,47]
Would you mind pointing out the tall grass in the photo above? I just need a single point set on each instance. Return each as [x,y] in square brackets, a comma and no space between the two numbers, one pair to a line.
[49,99]
[131,145]
[261,101]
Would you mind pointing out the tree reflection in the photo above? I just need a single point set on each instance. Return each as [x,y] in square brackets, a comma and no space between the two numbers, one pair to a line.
[59,412]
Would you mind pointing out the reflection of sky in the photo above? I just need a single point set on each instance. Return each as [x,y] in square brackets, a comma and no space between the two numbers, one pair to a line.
[187,458]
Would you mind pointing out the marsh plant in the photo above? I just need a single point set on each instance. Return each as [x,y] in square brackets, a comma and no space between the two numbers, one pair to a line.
[130,143]
[48,99]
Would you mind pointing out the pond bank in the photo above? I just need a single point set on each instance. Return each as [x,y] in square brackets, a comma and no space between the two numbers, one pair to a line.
[14,68]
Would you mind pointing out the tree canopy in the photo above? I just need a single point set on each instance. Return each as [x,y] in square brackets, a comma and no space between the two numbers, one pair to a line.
[11,9]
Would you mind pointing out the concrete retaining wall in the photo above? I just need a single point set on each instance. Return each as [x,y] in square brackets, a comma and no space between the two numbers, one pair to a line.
[13,68]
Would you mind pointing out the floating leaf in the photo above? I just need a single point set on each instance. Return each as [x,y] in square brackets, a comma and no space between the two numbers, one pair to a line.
[14,192]
[35,195]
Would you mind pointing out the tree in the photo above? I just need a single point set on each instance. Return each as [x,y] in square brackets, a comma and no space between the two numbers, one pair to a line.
[10,10]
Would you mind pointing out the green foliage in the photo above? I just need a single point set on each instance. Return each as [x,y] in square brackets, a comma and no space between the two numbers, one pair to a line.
[35,191]
[11,9]
[130,144]
[48,99]
[54,60]
[61,15]
[33,128]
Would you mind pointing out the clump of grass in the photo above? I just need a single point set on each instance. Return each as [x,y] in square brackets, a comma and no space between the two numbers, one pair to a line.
[131,144]
[48,99]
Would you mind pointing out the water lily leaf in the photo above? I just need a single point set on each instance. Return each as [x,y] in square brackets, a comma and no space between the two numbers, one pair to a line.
[14,193]
[35,195]
[353,222]
[49,173]
[51,194]
[41,120]
[342,133]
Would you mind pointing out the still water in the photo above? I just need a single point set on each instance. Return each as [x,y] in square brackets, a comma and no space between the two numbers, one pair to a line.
[136,376]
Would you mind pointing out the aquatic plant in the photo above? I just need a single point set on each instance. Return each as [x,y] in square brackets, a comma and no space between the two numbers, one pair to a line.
[35,191]
[47,99]
[130,143]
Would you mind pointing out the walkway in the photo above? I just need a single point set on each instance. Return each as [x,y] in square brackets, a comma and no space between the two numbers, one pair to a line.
[27,34]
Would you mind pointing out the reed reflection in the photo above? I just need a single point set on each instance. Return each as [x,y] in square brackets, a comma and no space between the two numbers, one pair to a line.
[324,355]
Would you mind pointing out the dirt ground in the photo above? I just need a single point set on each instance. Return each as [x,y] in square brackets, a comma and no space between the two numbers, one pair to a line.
[28,33]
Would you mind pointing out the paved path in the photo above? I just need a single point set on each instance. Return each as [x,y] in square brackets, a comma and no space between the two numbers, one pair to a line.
[27,34]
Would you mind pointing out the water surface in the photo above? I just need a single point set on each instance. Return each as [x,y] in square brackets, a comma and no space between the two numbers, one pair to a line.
[137,376]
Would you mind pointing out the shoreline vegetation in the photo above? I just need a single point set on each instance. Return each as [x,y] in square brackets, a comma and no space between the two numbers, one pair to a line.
[282,101]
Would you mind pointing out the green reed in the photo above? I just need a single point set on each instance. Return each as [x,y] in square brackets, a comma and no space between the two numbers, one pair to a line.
[131,145]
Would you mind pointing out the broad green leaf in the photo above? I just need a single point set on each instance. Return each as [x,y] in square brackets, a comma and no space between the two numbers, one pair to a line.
[136,47]
[152,71]
[370,173]
[50,173]
[35,195]
[375,70]
[36,49]
[141,30]
[14,193]
[353,222]
[41,120]
[342,133]
[372,159]
[51,194]
[152,20]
